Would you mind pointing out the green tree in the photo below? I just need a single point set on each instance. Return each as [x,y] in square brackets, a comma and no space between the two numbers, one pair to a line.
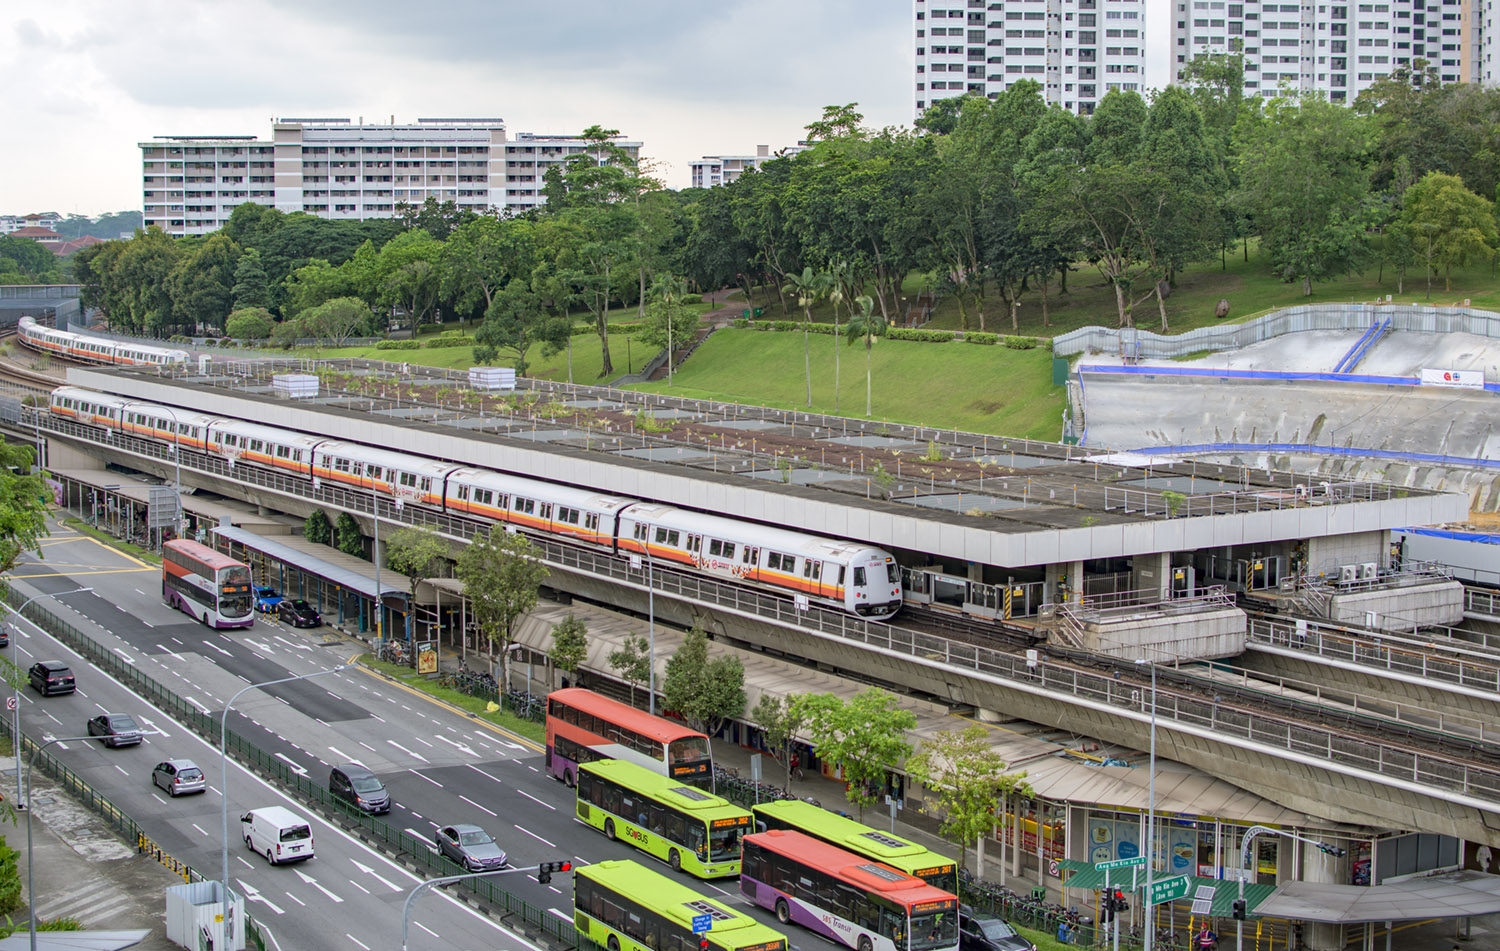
[570,645]
[437,218]
[23,509]
[484,255]
[968,775]
[1306,185]
[139,277]
[334,320]
[10,880]
[810,286]
[347,536]
[200,284]
[780,719]
[1447,224]
[407,277]
[252,288]
[516,321]
[669,324]
[632,661]
[501,575]
[419,554]
[866,325]
[317,529]
[250,323]
[314,283]
[866,736]
[705,691]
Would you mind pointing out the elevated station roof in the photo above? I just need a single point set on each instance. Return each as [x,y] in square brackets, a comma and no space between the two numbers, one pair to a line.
[974,497]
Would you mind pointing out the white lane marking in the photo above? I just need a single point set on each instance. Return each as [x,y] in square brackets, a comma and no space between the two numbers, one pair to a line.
[367,746]
[360,887]
[479,807]
[121,652]
[309,880]
[180,643]
[121,769]
[425,928]
[417,756]
[299,647]
[423,742]
[560,914]
[536,800]
[462,748]
[243,862]
[537,837]
[251,893]
[483,773]
[194,702]
[295,899]
[555,889]
[299,770]
[338,752]
[200,830]
[218,648]
[428,778]
[371,872]
[356,941]
[417,835]
[153,726]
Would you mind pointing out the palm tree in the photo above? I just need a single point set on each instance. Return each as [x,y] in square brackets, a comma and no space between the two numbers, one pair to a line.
[668,290]
[868,324]
[808,286]
[840,285]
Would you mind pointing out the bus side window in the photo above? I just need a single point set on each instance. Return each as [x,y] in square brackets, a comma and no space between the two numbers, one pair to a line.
[697,839]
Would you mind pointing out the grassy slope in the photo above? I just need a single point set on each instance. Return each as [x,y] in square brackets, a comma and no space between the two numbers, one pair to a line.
[980,389]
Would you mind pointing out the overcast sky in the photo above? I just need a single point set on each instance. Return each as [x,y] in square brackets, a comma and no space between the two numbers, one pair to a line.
[88,81]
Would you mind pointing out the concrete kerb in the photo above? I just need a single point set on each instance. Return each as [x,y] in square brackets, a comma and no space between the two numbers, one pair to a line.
[358,661]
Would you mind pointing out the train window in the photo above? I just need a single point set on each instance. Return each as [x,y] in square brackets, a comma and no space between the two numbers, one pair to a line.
[546,511]
[892,573]
[374,472]
[640,531]
[695,543]
[462,494]
[256,445]
[591,522]
[499,501]
[567,515]
[812,569]
[841,575]
[526,506]
[859,577]
[661,535]
[673,539]
[752,556]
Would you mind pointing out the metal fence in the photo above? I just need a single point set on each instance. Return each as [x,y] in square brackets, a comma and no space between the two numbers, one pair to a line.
[1135,342]
[417,852]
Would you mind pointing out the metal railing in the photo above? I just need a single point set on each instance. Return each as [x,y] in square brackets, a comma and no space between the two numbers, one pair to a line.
[1302,739]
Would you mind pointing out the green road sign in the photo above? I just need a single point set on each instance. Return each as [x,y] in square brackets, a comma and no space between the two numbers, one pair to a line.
[1120,863]
[1168,889]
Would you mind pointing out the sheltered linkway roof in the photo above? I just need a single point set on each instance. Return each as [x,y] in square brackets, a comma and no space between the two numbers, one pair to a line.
[1452,895]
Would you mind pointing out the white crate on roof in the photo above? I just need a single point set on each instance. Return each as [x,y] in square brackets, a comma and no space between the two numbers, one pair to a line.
[492,378]
[295,386]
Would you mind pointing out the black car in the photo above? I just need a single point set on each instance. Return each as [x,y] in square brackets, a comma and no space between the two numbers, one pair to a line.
[4,635]
[297,613]
[978,932]
[115,729]
[360,788]
[471,847]
[49,677]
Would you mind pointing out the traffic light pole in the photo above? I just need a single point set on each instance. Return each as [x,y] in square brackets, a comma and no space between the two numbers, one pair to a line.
[544,873]
[1240,909]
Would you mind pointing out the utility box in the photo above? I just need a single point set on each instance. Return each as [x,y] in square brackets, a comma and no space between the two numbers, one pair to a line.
[491,379]
[193,915]
[295,386]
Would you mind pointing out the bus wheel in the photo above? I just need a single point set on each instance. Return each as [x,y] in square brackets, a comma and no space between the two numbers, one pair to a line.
[783,913]
[614,943]
[864,943]
[568,778]
[609,829]
[674,860]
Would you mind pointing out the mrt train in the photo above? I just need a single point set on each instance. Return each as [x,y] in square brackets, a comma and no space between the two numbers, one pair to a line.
[844,575]
[86,348]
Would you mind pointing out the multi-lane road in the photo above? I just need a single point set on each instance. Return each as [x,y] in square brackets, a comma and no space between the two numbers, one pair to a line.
[440,766]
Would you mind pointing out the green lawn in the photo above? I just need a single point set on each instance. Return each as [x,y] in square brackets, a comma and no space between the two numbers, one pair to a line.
[954,385]
[428,685]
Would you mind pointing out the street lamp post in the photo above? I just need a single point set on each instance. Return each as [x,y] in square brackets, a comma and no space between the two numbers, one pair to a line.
[177,460]
[30,855]
[224,784]
[445,880]
[1250,834]
[16,688]
[651,629]
[1151,817]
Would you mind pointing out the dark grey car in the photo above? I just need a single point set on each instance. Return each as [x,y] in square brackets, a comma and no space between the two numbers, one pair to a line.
[360,788]
[115,729]
[471,847]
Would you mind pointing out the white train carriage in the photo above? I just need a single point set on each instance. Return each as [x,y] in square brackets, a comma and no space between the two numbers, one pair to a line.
[847,575]
[136,355]
[166,424]
[279,449]
[87,406]
[555,509]
[410,479]
[87,348]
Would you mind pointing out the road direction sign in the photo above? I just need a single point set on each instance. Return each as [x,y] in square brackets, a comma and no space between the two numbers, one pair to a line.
[1120,863]
[1168,889]
[702,923]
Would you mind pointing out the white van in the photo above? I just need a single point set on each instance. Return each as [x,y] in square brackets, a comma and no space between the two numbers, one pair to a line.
[277,833]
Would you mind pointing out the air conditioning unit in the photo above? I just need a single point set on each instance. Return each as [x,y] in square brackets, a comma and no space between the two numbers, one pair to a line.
[1348,573]
[1369,571]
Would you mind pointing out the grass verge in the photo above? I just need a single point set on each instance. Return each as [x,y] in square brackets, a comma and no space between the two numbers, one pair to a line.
[428,684]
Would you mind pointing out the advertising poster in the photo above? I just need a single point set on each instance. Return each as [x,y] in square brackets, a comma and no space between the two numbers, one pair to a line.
[1101,840]
[1182,851]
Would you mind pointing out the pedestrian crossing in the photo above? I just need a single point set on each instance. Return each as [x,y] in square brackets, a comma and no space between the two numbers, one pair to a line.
[93,904]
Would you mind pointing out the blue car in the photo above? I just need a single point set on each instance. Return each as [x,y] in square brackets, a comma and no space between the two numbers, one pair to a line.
[266,599]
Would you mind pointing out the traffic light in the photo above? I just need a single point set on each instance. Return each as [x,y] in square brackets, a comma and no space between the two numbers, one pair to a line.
[1239,909]
[703,942]
[1120,903]
[544,871]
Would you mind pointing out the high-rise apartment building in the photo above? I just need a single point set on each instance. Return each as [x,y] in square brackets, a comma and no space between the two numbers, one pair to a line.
[1337,49]
[334,168]
[1076,49]
[714,170]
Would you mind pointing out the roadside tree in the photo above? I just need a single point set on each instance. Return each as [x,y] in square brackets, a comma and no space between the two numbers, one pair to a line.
[347,536]
[780,719]
[317,529]
[501,576]
[250,323]
[1447,224]
[419,554]
[23,509]
[633,662]
[705,691]
[570,645]
[866,736]
[968,776]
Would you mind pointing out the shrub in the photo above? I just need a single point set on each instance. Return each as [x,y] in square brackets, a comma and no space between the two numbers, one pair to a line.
[983,339]
[10,879]
[449,339]
[739,323]
[921,336]
[692,299]
[1021,343]
[784,325]
[399,345]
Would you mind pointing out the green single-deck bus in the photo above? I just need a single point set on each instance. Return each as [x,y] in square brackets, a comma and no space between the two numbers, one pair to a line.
[683,826]
[624,906]
[900,854]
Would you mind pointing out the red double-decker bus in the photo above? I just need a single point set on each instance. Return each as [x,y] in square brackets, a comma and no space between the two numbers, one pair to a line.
[583,726]
[206,585]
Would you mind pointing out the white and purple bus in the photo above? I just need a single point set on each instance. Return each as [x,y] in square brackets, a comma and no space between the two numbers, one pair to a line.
[206,585]
[583,726]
